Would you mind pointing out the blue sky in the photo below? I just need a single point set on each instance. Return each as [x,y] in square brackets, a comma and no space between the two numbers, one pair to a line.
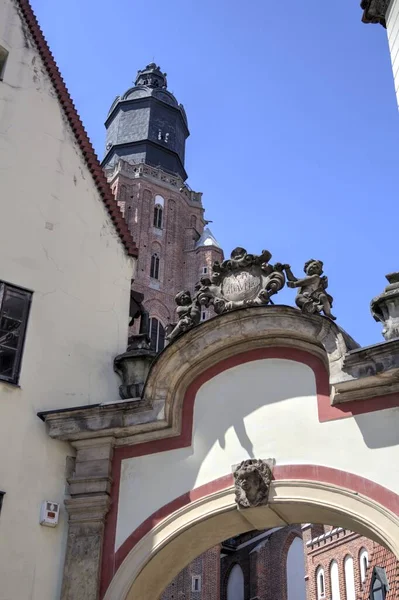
[293,120]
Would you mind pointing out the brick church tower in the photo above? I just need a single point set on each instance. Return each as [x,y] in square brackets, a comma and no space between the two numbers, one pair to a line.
[144,162]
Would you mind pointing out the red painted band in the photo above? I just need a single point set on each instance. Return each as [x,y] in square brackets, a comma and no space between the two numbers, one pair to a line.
[326,412]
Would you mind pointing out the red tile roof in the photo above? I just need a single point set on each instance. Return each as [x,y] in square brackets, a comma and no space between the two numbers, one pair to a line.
[81,136]
[381,557]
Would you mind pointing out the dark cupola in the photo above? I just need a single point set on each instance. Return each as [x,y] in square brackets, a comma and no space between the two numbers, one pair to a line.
[147,125]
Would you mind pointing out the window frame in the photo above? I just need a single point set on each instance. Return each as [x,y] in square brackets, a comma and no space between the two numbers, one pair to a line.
[159,325]
[14,379]
[158,216]
[196,579]
[320,583]
[380,576]
[363,554]
[155,266]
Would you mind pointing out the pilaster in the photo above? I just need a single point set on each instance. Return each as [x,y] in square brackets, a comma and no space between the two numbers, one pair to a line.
[88,505]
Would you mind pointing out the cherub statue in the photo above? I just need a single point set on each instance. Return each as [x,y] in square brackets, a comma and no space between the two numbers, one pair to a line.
[312,296]
[188,312]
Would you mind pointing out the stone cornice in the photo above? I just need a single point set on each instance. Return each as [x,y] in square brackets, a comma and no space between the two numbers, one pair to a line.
[354,373]
[374,11]
[156,175]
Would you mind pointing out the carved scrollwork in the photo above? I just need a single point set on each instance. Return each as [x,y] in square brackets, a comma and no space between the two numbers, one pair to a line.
[241,281]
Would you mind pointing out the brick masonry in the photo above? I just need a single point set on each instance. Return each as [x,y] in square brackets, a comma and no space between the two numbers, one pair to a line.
[264,565]
[181,262]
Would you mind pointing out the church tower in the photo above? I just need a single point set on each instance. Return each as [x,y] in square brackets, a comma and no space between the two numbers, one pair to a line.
[144,162]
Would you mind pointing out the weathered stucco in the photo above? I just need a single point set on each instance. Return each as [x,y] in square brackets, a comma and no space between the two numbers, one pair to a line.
[57,240]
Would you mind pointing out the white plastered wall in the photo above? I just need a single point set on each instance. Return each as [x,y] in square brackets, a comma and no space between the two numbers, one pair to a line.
[266,408]
[58,241]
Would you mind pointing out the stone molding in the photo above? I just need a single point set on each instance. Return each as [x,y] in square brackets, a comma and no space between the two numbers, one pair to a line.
[354,373]
[150,562]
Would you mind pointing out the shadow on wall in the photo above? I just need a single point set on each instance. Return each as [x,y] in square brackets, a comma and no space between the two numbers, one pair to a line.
[379,429]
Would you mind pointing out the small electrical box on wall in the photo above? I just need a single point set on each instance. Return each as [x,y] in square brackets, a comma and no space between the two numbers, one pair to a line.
[49,513]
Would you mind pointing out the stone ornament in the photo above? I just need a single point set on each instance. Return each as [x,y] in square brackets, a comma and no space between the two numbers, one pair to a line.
[385,308]
[312,297]
[374,11]
[252,479]
[243,280]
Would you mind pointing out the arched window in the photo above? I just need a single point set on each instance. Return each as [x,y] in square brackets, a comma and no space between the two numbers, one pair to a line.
[296,589]
[154,269]
[235,584]
[363,564]
[193,221]
[379,584]
[321,584]
[349,578]
[157,335]
[158,211]
[334,578]
[158,216]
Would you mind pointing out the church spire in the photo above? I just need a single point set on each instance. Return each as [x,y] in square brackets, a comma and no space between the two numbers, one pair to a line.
[151,76]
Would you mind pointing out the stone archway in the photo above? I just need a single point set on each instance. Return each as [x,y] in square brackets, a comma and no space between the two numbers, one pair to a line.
[178,538]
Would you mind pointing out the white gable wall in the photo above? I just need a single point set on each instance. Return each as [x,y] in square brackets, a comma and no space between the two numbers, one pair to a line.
[56,239]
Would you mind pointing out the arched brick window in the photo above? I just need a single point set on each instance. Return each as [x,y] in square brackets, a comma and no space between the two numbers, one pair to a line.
[334,578]
[157,335]
[154,268]
[320,583]
[349,578]
[235,584]
[363,563]
[158,212]
[296,589]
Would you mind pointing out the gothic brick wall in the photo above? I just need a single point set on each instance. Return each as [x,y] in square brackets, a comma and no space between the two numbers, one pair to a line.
[206,567]
[180,263]
[334,544]
[263,560]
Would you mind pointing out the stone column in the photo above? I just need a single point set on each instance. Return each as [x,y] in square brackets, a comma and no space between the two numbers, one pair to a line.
[89,502]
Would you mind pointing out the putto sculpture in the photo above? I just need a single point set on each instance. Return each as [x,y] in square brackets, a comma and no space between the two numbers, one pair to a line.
[246,280]
[241,281]
[252,479]
[312,296]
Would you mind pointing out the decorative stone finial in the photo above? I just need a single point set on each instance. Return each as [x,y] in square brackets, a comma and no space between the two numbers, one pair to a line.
[385,308]
[152,77]
[252,479]
[374,11]
[243,280]
[312,296]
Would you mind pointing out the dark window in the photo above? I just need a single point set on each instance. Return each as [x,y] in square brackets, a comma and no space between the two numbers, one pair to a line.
[14,311]
[154,270]
[1,500]
[157,334]
[379,584]
[3,60]
[158,214]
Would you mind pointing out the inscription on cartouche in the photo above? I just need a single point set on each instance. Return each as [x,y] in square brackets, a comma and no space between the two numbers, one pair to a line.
[241,285]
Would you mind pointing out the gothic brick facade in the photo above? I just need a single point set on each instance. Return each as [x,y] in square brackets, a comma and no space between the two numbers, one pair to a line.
[144,163]
[333,553]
